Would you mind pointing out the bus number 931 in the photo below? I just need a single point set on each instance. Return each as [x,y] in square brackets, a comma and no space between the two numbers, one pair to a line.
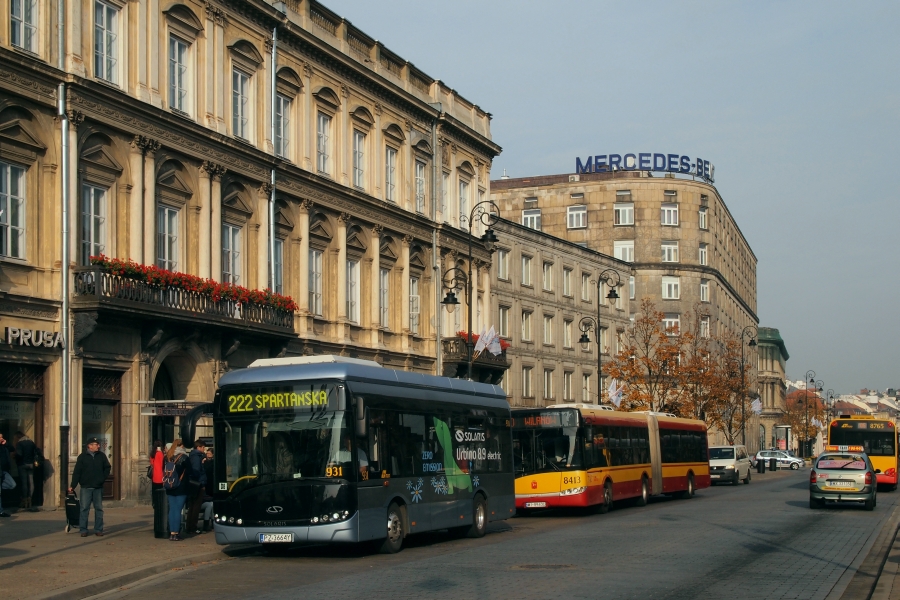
[334,471]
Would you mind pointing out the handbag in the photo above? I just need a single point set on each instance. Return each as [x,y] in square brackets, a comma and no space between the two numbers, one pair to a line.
[8,482]
[150,472]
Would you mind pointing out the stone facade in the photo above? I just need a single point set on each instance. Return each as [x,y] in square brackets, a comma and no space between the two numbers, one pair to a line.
[171,159]
[545,291]
[773,356]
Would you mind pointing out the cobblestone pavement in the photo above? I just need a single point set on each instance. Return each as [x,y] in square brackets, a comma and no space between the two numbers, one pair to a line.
[749,541]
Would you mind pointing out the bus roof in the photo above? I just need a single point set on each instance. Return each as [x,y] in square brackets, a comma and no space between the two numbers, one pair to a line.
[462,389]
[601,413]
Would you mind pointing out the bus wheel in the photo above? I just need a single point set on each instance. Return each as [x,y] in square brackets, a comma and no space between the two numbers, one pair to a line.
[394,540]
[607,499]
[645,493]
[479,518]
[689,492]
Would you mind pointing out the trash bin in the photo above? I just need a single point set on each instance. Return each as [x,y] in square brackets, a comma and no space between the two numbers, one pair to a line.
[160,514]
[761,466]
[773,464]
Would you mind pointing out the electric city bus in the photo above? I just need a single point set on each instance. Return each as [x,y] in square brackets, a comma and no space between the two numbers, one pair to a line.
[878,437]
[330,449]
[583,455]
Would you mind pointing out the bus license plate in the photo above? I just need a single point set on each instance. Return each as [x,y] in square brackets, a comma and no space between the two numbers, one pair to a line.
[276,538]
[535,505]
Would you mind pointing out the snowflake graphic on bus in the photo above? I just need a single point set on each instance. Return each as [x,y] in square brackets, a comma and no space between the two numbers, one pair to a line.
[415,490]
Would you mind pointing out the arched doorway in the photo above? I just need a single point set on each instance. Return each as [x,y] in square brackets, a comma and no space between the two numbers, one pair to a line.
[162,427]
[182,380]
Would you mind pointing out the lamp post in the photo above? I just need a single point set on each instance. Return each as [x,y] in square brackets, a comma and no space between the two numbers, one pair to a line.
[820,387]
[486,212]
[746,332]
[810,379]
[829,405]
[611,278]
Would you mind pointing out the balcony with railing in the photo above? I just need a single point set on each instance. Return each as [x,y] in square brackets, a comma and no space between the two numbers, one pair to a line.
[486,367]
[96,289]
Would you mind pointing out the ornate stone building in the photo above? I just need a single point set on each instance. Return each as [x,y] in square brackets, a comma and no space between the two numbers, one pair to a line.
[773,356]
[180,116]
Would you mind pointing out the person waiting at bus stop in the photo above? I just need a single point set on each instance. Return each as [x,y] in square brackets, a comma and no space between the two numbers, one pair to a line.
[177,485]
[197,485]
[91,470]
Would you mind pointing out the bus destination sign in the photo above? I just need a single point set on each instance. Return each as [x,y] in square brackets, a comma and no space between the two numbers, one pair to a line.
[312,397]
[547,419]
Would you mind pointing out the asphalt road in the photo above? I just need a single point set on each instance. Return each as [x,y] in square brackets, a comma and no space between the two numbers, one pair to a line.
[749,541]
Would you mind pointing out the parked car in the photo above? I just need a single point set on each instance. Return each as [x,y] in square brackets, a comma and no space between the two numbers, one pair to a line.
[843,476]
[784,458]
[729,463]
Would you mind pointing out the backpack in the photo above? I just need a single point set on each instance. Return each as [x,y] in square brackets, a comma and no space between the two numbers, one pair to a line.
[170,479]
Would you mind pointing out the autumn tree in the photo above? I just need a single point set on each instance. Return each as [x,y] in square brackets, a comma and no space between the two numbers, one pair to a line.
[730,382]
[801,408]
[699,370]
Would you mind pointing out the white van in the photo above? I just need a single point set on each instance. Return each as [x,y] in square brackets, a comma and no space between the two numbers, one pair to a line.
[729,464]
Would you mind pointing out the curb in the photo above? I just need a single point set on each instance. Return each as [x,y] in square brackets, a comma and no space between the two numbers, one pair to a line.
[870,572]
[117,580]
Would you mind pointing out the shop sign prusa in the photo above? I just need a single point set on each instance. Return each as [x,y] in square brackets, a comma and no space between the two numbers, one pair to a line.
[35,338]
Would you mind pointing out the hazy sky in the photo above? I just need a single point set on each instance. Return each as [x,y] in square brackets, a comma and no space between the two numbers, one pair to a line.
[796,103]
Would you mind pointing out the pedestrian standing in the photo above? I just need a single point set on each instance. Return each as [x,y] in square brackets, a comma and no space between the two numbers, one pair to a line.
[4,469]
[176,484]
[197,485]
[26,450]
[91,470]
[157,460]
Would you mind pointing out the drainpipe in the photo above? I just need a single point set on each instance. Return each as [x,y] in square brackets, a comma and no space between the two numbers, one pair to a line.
[64,313]
[271,231]
[435,258]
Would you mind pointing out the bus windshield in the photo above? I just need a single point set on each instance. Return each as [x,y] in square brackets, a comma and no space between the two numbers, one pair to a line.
[270,448]
[874,442]
[545,450]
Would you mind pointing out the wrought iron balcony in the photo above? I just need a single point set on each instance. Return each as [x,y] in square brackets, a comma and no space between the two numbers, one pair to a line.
[94,287]
[486,368]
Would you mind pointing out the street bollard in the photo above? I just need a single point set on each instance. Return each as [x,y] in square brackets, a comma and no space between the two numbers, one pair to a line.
[160,514]
[761,466]
[773,464]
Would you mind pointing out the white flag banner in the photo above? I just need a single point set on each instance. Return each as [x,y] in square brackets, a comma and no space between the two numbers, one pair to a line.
[756,406]
[482,341]
[615,392]
[494,346]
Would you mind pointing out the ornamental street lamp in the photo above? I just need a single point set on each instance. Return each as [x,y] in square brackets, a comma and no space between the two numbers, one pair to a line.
[611,278]
[453,278]
[751,332]
[810,379]
[829,406]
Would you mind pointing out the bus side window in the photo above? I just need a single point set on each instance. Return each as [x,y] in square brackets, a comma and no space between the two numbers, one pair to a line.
[600,450]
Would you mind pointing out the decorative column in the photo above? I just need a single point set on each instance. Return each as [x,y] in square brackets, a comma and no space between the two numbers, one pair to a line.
[345,135]
[404,292]
[136,202]
[204,226]
[303,259]
[378,163]
[215,229]
[342,268]
[262,239]
[375,290]
[76,118]
[408,176]
[487,311]
[149,147]
[309,140]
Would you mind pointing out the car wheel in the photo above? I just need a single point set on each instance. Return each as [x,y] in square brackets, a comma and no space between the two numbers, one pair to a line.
[747,478]
[794,466]
[815,503]
[870,503]
[645,493]
[607,503]
[394,540]
[737,477]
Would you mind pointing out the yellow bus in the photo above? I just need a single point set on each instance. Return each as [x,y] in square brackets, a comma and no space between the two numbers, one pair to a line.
[878,437]
[584,455]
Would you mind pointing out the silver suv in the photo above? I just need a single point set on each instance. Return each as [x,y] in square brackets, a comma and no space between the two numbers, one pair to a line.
[729,463]
[784,459]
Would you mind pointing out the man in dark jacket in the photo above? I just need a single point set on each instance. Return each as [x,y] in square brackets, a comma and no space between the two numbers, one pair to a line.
[26,451]
[91,470]
[198,485]
[4,468]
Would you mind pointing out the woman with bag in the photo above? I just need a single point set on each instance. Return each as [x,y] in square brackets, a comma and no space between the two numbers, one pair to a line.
[176,485]
[155,471]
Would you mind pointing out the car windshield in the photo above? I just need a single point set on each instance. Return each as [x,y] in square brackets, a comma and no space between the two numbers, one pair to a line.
[721,453]
[841,461]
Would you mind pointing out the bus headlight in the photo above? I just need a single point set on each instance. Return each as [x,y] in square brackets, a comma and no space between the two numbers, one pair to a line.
[240,521]
[573,491]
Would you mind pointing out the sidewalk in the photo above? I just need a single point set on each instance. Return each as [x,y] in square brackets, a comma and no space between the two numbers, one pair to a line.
[39,560]
[888,585]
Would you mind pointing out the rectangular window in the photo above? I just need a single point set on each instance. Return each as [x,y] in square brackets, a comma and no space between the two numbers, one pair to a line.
[282,125]
[547,277]
[178,51]
[93,222]
[445,196]
[323,143]
[464,202]
[670,288]
[390,174]
[420,187]
[526,326]
[670,251]
[604,340]
[414,306]
[504,383]
[672,323]
[548,329]
[231,254]
[623,212]
[359,159]
[526,382]
[704,290]
[526,270]
[23,24]
[567,282]
[703,254]
[586,388]
[567,385]
[278,286]
[548,384]
[576,217]
[240,104]
[106,40]
[503,264]
[702,219]
[353,291]
[586,287]
[631,288]
[384,297]
[166,238]
[12,211]
[315,282]
[504,322]
[669,214]
[531,218]
[624,250]
[704,326]
[567,334]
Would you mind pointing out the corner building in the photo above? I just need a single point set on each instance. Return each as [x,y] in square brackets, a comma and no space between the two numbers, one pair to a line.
[682,242]
[172,146]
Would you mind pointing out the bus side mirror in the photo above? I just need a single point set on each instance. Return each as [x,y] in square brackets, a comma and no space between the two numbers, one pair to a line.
[877,471]
[360,417]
